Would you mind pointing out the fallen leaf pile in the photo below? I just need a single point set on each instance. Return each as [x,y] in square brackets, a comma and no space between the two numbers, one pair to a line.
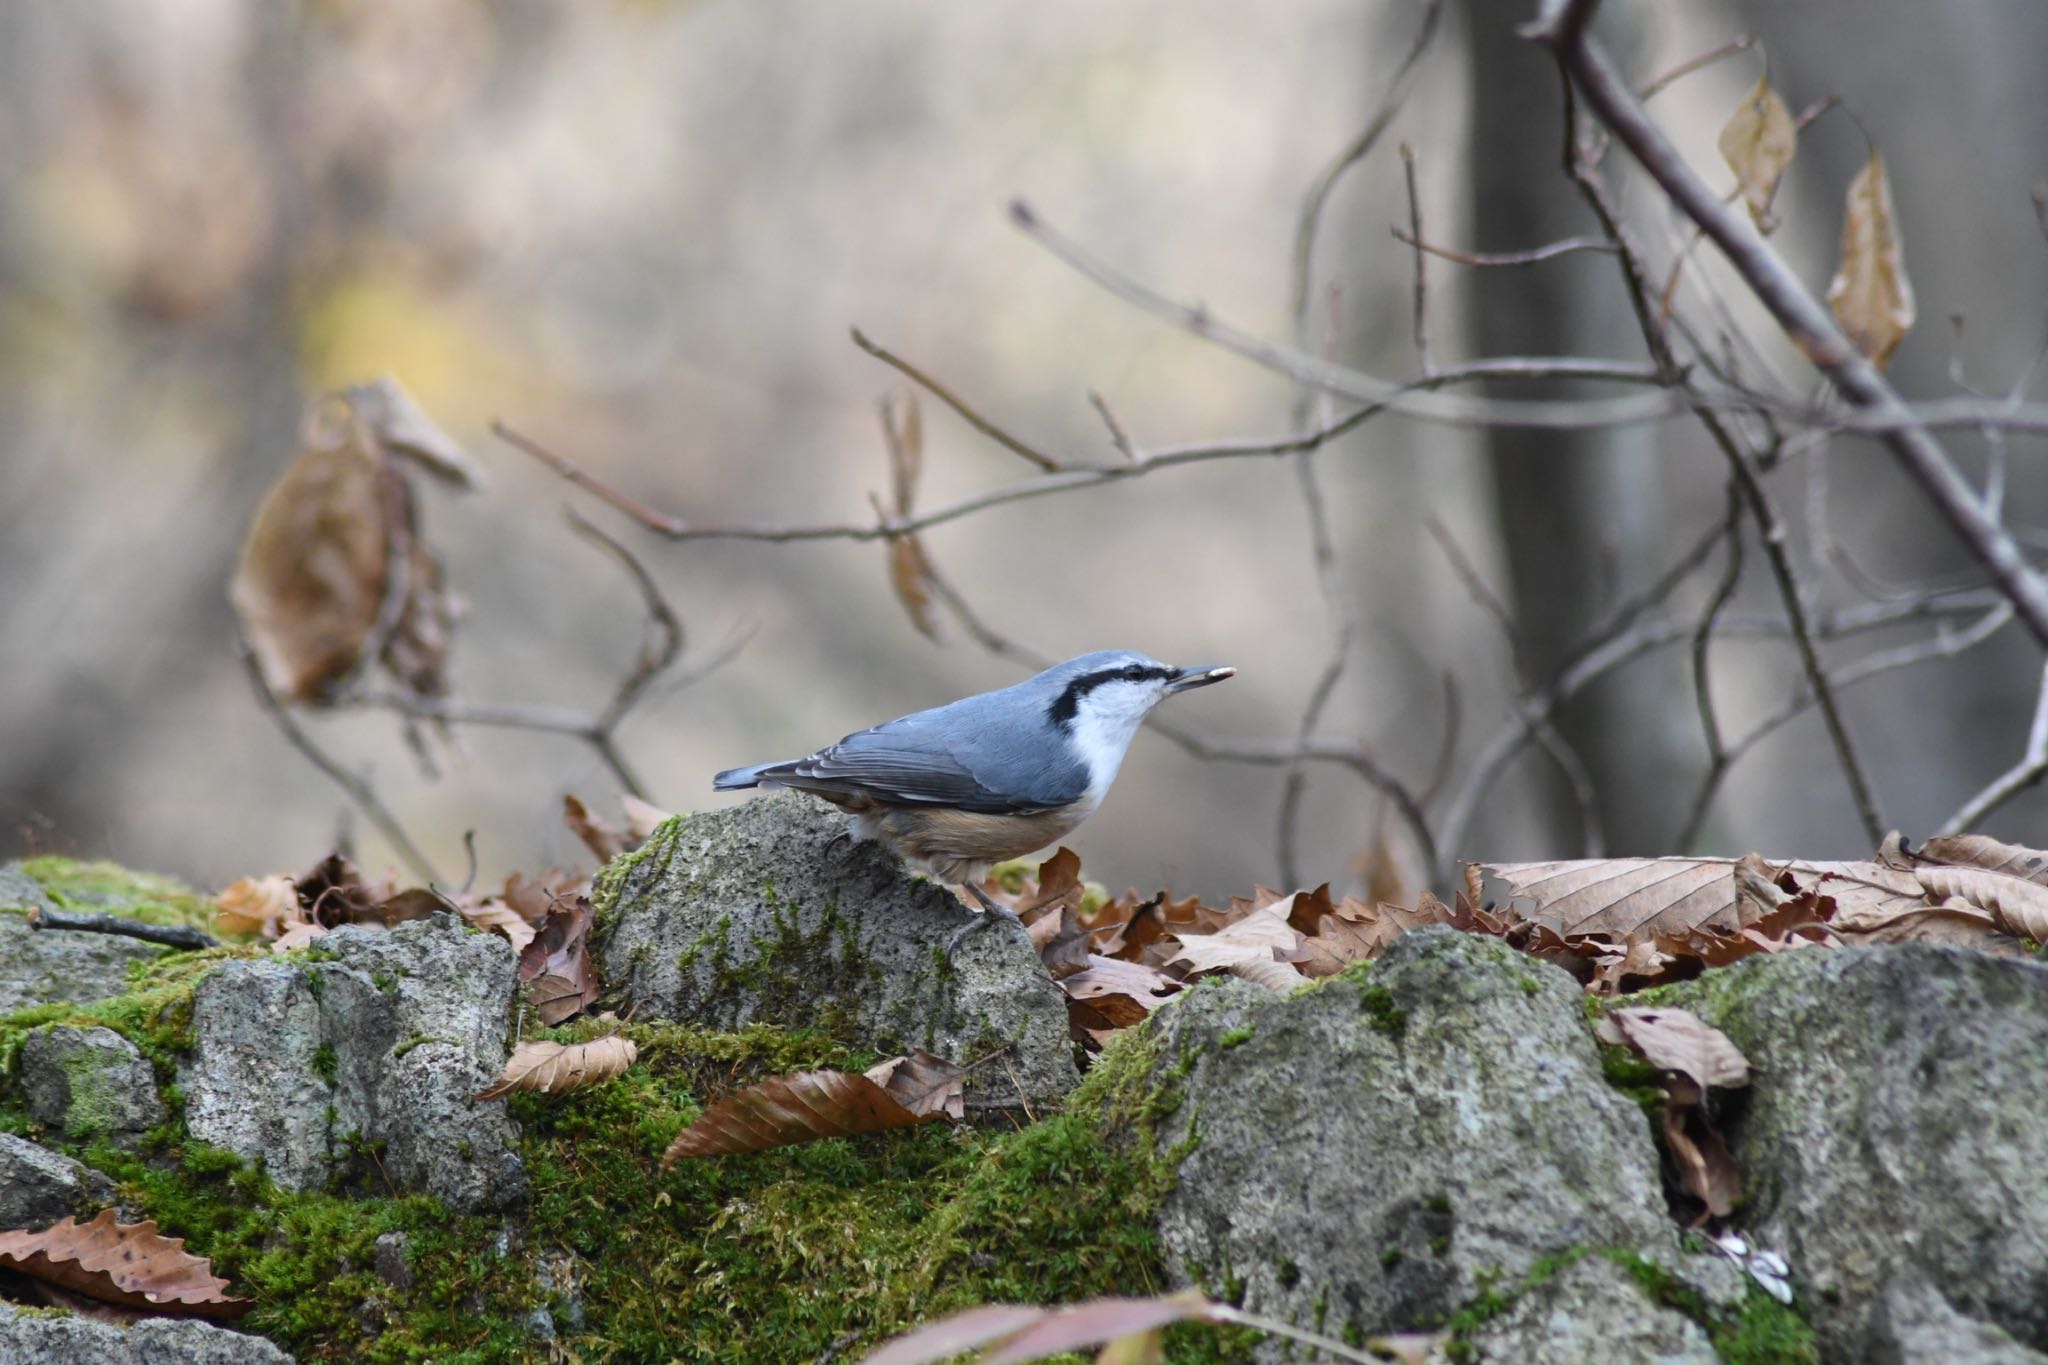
[129,1264]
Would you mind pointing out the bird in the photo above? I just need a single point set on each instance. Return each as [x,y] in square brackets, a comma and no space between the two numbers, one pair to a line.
[954,790]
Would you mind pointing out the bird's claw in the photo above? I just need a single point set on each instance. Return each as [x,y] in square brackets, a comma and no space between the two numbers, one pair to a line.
[991,912]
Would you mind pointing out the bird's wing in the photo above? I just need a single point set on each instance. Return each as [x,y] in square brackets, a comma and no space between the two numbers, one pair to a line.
[910,763]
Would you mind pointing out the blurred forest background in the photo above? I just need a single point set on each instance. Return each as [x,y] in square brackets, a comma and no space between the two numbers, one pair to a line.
[641,231]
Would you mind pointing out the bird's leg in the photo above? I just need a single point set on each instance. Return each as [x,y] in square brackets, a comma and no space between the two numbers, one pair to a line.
[990,913]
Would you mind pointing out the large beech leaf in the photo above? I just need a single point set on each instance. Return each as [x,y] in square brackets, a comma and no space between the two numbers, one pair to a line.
[125,1263]
[811,1105]
[559,1068]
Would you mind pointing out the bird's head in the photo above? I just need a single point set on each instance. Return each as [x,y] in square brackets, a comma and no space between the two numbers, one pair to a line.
[1099,700]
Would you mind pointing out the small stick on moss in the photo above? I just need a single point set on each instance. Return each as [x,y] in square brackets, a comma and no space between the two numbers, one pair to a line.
[175,935]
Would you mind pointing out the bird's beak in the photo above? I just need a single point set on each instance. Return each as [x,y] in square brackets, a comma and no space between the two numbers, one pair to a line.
[1190,678]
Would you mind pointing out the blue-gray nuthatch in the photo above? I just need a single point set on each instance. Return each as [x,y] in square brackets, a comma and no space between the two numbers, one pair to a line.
[959,788]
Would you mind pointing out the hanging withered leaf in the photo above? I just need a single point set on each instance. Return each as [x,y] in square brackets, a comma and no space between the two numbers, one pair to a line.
[560,1068]
[1870,294]
[1757,142]
[809,1106]
[125,1263]
[334,572]
[1694,1056]
[910,570]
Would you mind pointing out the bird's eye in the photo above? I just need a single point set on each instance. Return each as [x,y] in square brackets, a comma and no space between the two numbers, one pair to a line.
[1134,673]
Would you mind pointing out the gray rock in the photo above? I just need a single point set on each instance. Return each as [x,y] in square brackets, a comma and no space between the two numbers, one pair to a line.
[1894,1138]
[88,1083]
[1592,1313]
[17,888]
[38,1187]
[1374,1151]
[383,1040]
[42,966]
[762,914]
[42,1338]
[1911,1324]
[389,1260]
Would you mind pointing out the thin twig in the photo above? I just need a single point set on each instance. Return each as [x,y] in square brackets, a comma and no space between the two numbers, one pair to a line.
[1420,323]
[2028,772]
[174,935]
[1702,688]
[360,791]
[1117,436]
[1308,224]
[1691,64]
[1030,454]
[1533,256]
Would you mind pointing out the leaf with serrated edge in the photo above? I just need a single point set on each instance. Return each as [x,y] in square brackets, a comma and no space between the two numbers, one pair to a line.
[784,1110]
[558,1069]
[1631,897]
[1260,937]
[1870,294]
[1757,142]
[125,1263]
[1978,850]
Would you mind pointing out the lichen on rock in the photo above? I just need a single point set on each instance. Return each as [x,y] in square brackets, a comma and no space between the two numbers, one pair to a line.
[378,1038]
[89,1083]
[1893,1141]
[764,913]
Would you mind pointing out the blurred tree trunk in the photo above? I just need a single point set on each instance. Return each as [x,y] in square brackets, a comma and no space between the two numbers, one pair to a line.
[1580,513]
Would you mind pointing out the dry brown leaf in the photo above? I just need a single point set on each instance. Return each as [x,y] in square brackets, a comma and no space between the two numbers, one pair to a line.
[910,568]
[556,966]
[257,905]
[1705,1167]
[499,916]
[642,818]
[1678,1040]
[1264,936]
[1757,142]
[923,1084]
[298,936]
[910,577]
[533,897]
[1977,850]
[559,1069]
[784,1110]
[402,427]
[124,1263]
[2014,905]
[310,584]
[1277,977]
[604,842]
[1870,294]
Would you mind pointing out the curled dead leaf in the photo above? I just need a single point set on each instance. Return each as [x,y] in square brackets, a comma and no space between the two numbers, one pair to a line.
[1277,977]
[560,1069]
[809,1106]
[1678,1040]
[1757,142]
[501,918]
[257,905]
[125,1263]
[1870,294]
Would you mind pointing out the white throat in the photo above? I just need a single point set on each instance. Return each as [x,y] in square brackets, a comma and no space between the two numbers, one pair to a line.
[1101,733]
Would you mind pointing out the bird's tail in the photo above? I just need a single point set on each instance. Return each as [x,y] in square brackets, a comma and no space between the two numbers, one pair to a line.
[732,779]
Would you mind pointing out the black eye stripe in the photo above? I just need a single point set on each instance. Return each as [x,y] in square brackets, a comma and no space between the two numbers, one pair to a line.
[1068,702]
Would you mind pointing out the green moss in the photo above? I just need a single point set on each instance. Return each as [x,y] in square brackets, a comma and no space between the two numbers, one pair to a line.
[1633,1077]
[1386,1017]
[325,1064]
[107,889]
[611,878]
[1233,1037]
[1761,1332]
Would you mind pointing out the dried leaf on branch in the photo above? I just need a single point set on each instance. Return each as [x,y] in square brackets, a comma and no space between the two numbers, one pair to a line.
[1758,142]
[1870,294]
[125,1263]
[559,1069]
[910,569]
[809,1106]
[604,840]
[333,573]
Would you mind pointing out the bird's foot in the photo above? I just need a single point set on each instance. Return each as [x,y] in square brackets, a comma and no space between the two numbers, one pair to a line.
[991,912]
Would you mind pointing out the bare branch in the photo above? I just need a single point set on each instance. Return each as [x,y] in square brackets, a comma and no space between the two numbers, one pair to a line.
[956,403]
[174,935]
[358,790]
[1533,256]
[1117,436]
[1692,64]
[2028,772]
[1805,320]
[1420,322]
